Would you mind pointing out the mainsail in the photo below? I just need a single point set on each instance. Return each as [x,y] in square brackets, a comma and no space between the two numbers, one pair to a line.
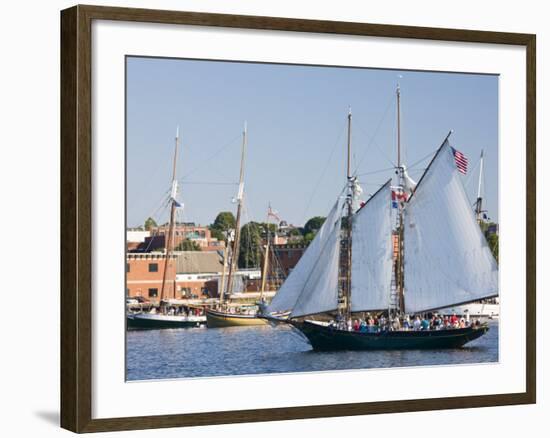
[447,260]
[371,260]
[312,286]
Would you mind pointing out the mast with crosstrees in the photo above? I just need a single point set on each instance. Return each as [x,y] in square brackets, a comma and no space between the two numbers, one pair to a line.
[400,185]
[346,241]
[479,200]
[169,240]
[237,231]
[266,256]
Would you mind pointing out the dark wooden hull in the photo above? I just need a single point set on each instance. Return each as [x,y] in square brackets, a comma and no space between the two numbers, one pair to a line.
[327,338]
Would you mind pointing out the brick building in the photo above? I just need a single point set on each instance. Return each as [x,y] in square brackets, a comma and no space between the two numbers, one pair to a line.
[201,235]
[282,259]
[144,275]
[191,274]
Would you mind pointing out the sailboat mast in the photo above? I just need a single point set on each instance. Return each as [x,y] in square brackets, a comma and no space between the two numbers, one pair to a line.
[224,269]
[347,228]
[237,234]
[169,240]
[479,200]
[400,176]
[266,257]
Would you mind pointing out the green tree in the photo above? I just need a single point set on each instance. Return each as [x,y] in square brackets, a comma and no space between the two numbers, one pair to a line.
[188,245]
[250,245]
[492,241]
[224,222]
[313,225]
[264,227]
[491,237]
[308,237]
[149,224]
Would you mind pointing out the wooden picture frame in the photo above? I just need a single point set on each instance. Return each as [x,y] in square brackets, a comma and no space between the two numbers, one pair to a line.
[76,217]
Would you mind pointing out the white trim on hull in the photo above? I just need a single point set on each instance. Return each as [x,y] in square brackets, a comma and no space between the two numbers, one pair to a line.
[479,310]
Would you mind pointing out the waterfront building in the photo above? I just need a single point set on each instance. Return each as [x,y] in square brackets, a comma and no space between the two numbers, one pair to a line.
[190,275]
[198,234]
[144,275]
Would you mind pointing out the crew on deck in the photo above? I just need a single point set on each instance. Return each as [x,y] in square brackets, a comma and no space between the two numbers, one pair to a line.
[381,323]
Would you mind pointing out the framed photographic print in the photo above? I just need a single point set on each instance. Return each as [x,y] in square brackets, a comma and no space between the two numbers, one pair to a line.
[270,218]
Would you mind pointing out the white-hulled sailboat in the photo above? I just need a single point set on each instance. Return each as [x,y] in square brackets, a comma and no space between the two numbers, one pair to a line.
[163,318]
[349,268]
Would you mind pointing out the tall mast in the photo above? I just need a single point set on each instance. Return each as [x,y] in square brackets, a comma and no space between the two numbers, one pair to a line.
[224,269]
[237,234]
[266,257]
[169,240]
[400,177]
[347,228]
[479,200]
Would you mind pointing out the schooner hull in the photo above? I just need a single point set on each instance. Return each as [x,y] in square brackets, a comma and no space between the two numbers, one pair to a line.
[217,319]
[324,338]
[151,321]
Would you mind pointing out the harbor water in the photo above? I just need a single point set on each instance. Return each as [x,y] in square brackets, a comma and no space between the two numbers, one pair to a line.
[203,352]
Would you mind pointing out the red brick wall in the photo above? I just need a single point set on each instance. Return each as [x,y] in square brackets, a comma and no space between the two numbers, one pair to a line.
[139,279]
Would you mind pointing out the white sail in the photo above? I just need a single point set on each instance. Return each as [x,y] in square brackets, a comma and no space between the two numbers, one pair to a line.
[299,278]
[447,260]
[320,291]
[371,259]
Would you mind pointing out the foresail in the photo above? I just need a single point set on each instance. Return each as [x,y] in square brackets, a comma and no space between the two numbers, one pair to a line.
[447,260]
[295,284]
[320,292]
[371,260]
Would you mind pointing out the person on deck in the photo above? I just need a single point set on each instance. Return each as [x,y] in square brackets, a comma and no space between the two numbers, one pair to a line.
[417,323]
[425,324]
[396,325]
[370,324]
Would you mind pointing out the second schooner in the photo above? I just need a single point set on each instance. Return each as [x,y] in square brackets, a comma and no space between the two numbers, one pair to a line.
[442,259]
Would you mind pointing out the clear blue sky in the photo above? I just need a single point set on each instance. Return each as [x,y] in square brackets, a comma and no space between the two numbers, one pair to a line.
[297,133]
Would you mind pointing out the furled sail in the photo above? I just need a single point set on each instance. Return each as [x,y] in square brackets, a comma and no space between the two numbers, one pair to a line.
[371,260]
[314,274]
[447,260]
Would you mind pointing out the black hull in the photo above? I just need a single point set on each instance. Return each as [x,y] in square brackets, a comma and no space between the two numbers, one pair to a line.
[144,324]
[324,338]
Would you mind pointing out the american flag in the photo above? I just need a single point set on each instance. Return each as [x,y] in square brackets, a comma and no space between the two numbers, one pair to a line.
[461,161]
[272,213]
[398,195]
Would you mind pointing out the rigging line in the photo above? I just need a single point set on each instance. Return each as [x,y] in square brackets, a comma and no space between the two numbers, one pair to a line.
[327,164]
[140,204]
[215,154]
[155,234]
[371,141]
[211,183]
[163,204]
[375,171]
[421,160]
